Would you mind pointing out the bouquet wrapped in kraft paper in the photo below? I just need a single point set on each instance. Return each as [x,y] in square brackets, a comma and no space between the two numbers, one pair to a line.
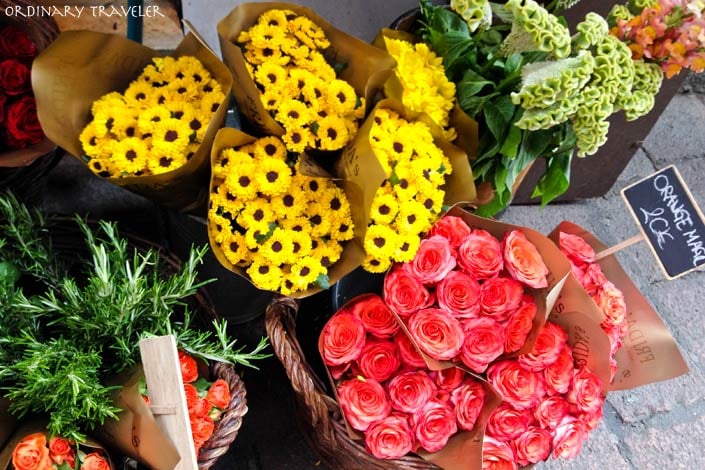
[71,79]
[313,45]
[641,348]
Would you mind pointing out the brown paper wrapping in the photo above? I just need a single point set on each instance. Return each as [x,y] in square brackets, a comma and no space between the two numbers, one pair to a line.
[81,66]
[352,254]
[649,354]
[368,67]
[464,449]
[34,426]
[7,422]
[136,433]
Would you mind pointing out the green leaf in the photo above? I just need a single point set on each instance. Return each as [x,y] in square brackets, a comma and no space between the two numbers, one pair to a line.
[323,281]
[314,128]
[202,385]
[512,64]
[394,179]
[505,106]
[9,274]
[474,105]
[495,120]
[556,179]
[510,146]
[452,46]
[470,85]
[443,20]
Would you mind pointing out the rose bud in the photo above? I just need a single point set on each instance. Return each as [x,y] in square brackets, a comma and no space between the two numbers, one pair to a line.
[448,379]
[468,400]
[568,438]
[577,250]
[497,455]
[405,294]
[459,294]
[95,461]
[559,375]
[480,255]
[436,333]
[507,423]
[363,401]
[389,438]
[434,424]
[433,261]
[533,446]
[549,344]
[409,355]
[376,317]
[519,325]
[409,391]
[454,229]
[519,387]
[611,301]
[379,360]
[342,339]
[551,411]
[61,450]
[500,297]
[219,394]
[586,392]
[484,342]
[523,261]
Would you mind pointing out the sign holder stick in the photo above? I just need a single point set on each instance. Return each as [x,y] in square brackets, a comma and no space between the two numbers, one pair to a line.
[619,246]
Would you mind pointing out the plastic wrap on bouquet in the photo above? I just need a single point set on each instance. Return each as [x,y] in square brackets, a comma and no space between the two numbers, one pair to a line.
[649,353]
[366,68]
[81,66]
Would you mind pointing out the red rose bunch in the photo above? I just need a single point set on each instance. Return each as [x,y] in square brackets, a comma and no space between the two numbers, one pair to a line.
[384,387]
[548,405]
[19,126]
[36,452]
[606,295]
[464,297]
[205,401]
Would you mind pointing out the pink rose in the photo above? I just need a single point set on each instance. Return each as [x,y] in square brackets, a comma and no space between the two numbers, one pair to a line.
[480,255]
[519,387]
[586,392]
[433,261]
[548,346]
[376,317]
[434,424]
[409,391]
[459,293]
[523,261]
[497,455]
[409,355]
[593,279]
[591,420]
[550,412]
[611,301]
[484,342]
[379,360]
[507,423]
[468,400]
[448,379]
[404,293]
[533,446]
[614,367]
[576,249]
[436,333]
[389,438]
[500,297]
[342,339]
[559,375]
[454,229]
[363,402]
[519,325]
[568,439]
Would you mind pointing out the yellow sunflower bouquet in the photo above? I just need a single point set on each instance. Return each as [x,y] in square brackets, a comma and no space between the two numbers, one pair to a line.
[299,78]
[285,231]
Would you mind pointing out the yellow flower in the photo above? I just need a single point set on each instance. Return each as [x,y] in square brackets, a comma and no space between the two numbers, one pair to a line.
[198,124]
[107,101]
[103,122]
[408,246]
[342,229]
[275,18]
[181,110]
[299,78]
[219,227]
[257,233]
[273,176]
[384,207]
[293,114]
[377,266]
[278,248]
[318,218]
[270,147]
[305,272]
[240,181]
[265,275]
[130,155]
[298,51]
[103,167]
[236,251]
[255,212]
[413,218]
[332,133]
[257,56]
[148,118]
[263,35]
[93,145]
[167,66]
[271,100]
[298,140]
[127,127]
[313,90]
[297,223]
[341,97]
[328,252]
[139,93]
[380,242]
[270,75]
[210,103]
[300,242]
[170,138]
[159,162]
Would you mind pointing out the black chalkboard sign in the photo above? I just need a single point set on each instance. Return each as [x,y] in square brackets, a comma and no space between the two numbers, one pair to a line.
[670,220]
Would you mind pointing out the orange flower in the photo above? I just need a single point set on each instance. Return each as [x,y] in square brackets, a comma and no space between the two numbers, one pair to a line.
[61,450]
[32,453]
[191,395]
[189,368]
[219,394]
[202,429]
[95,461]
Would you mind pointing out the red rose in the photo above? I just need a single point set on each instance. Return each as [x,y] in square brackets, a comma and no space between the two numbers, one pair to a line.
[559,375]
[202,428]
[448,379]
[409,355]
[568,439]
[500,297]
[409,391]
[519,325]
[61,450]
[404,293]
[436,333]
[433,261]
[533,446]
[523,261]
[550,412]
[219,394]
[15,43]
[454,229]
[363,402]
[342,339]
[3,98]
[497,455]
[389,438]
[434,424]
[200,408]
[376,317]
[548,346]
[576,249]
[95,461]
[484,342]
[191,395]
[189,368]
[506,423]
[459,294]
[521,388]
[480,255]
[379,360]
[593,279]
[586,392]
[32,453]
[611,301]
[22,126]
[14,77]
[468,399]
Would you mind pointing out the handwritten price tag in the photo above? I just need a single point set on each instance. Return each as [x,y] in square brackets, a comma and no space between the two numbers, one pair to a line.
[670,220]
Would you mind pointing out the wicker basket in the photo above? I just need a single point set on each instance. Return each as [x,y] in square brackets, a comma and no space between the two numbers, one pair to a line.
[317,412]
[66,237]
